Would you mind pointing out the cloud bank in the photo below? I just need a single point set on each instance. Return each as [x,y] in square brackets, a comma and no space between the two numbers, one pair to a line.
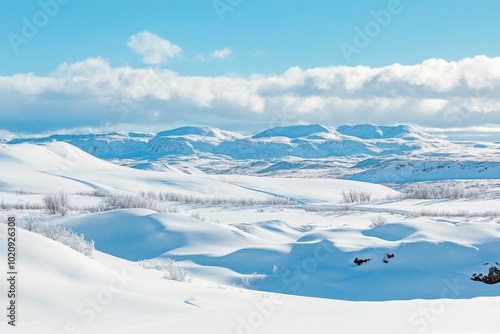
[92,93]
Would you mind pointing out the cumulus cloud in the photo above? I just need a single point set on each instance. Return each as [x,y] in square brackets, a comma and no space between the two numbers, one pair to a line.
[222,54]
[217,54]
[435,93]
[154,49]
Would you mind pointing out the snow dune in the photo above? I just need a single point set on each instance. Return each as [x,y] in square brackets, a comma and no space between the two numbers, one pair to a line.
[407,260]
[62,289]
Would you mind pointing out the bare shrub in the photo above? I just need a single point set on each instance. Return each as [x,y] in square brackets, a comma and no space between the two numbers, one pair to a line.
[177,274]
[197,215]
[455,214]
[244,228]
[436,191]
[90,208]
[378,221]
[114,202]
[253,280]
[223,201]
[20,206]
[60,234]
[169,268]
[94,193]
[56,203]
[355,196]
[149,195]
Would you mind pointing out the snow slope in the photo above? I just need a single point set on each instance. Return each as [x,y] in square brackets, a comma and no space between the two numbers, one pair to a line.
[63,289]
[51,167]
[257,269]
[426,256]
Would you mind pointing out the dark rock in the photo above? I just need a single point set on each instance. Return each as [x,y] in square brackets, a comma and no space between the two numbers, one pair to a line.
[360,261]
[493,276]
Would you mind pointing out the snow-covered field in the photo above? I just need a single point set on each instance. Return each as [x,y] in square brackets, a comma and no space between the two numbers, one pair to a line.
[252,254]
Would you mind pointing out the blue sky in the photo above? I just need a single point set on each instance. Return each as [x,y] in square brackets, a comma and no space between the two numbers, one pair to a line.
[236,41]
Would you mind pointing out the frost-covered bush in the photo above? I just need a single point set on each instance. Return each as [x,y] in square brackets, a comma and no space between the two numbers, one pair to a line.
[197,215]
[114,202]
[62,235]
[205,200]
[94,193]
[354,196]
[168,267]
[436,191]
[20,206]
[253,280]
[56,203]
[244,228]
[378,221]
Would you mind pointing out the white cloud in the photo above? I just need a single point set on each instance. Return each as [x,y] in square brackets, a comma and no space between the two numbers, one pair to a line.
[153,49]
[487,132]
[217,54]
[258,53]
[435,93]
[222,54]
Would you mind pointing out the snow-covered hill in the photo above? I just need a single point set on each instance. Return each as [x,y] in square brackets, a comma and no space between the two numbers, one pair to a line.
[361,152]
[257,268]
[50,167]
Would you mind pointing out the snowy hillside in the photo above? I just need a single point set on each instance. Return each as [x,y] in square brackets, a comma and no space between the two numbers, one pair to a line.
[63,289]
[252,254]
[361,152]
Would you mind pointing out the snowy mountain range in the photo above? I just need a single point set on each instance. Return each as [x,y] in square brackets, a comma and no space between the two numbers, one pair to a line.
[359,152]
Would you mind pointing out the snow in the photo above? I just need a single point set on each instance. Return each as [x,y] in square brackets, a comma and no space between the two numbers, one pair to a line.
[370,131]
[53,166]
[298,260]
[404,171]
[57,280]
[199,131]
[294,131]
[373,153]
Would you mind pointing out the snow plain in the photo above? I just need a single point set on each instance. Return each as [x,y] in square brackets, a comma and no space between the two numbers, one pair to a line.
[262,268]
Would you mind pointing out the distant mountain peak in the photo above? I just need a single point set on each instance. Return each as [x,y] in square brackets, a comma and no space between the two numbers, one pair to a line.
[198,131]
[294,131]
[371,131]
